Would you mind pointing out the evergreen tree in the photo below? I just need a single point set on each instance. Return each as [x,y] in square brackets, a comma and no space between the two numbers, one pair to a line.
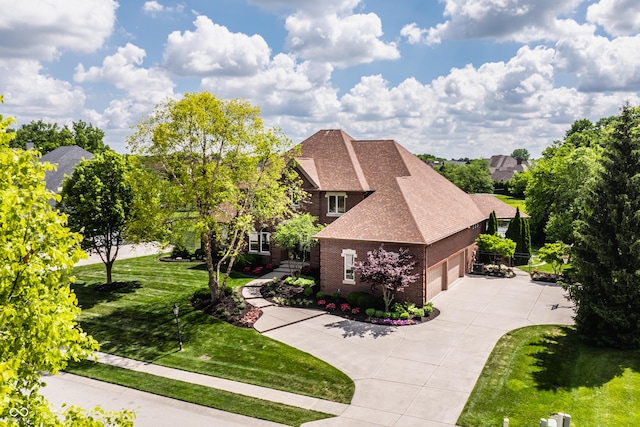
[514,228]
[606,254]
[492,226]
[524,244]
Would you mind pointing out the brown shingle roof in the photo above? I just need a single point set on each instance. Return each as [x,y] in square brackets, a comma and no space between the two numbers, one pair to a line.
[412,203]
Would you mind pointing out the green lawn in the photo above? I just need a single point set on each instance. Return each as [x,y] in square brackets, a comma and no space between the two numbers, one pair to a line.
[538,370]
[137,322]
[519,203]
[198,394]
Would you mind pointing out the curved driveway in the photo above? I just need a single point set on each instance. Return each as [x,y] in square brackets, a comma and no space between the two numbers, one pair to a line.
[422,375]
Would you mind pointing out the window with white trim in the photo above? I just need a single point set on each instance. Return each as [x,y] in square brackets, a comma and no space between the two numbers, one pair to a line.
[260,242]
[336,204]
[349,258]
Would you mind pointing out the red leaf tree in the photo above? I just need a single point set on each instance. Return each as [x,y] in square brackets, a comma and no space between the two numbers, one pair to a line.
[389,270]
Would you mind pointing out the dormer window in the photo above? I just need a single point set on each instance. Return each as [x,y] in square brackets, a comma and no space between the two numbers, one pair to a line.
[336,204]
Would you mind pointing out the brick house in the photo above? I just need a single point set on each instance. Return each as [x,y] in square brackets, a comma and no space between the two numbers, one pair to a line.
[375,191]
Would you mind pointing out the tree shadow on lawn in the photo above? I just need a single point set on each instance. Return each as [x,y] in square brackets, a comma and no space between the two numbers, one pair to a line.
[565,362]
[353,328]
[146,332]
[92,294]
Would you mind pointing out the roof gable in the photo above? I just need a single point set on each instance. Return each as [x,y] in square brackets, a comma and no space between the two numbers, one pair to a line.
[65,158]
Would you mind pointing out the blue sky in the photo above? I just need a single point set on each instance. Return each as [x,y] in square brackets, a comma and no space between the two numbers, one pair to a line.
[455,78]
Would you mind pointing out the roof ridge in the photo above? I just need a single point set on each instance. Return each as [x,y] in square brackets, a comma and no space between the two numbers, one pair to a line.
[355,161]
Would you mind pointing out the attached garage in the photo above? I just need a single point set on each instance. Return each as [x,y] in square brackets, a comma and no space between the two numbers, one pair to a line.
[435,280]
[454,268]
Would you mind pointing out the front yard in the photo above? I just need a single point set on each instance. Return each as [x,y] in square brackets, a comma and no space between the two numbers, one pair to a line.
[539,370]
[136,321]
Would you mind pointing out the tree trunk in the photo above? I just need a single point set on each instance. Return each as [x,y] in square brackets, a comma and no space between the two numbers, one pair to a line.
[109,267]
[211,270]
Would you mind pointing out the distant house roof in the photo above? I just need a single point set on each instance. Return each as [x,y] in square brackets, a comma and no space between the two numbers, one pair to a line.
[488,203]
[65,158]
[502,168]
[411,202]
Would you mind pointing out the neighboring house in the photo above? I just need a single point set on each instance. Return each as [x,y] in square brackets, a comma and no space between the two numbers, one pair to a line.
[373,192]
[65,158]
[502,168]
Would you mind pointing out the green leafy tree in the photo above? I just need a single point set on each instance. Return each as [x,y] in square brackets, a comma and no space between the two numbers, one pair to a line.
[606,254]
[49,136]
[391,271]
[518,184]
[495,245]
[492,225]
[520,154]
[98,199]
[473,177]
[38,330]
[558,183]
[230,172]
[295,236]
[553,254]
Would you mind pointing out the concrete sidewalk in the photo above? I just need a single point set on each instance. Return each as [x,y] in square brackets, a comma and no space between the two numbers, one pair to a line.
[259,392]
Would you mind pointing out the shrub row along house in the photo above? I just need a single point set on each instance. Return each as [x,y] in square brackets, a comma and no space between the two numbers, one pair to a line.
[376,192]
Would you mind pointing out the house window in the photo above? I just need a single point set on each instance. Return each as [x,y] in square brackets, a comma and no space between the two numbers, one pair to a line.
[349,256]
[260,242]
[336,204]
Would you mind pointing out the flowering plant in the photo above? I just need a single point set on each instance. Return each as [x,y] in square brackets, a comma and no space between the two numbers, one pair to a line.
[269,267]
[330,306]
[393,322]
[250,317]
[246,269]
[345,307]
[257,270]
[356,310]
[321,302]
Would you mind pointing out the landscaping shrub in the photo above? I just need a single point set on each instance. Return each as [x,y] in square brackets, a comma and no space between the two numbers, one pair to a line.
[246,260]
[387,315]
[180,251]
[308,291]
[370,312]
[417,312]
[428,308]
[320,295]
[379,314]
[404,316]
[301,281]
[366,300]
[272,288]
[352,297]
[336,295]
[395,315]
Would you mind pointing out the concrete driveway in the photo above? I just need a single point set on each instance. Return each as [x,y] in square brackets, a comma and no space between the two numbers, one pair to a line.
[422,375]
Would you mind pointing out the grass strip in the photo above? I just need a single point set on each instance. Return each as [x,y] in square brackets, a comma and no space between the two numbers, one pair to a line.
[536,371]
[198,394]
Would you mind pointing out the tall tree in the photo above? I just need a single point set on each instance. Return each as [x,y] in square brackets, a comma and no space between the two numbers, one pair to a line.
[606,254]
[473,177]
[388,270]
[49,136]
[518,231]
[295,236]
[492,225]
[520,154]
[98,199]
[38,331]
[230,170]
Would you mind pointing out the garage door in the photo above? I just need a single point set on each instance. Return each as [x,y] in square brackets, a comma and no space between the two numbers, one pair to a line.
[454,270]
[434,281]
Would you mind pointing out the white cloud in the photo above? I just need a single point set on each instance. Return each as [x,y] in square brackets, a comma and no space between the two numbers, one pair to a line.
[335,34]
[284,87]
[213,49]
[601,64]
[617,17]
[30,95]
[504,20]
[154,8]
[42,29]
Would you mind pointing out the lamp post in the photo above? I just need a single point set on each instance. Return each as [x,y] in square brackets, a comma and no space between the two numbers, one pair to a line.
[176,311]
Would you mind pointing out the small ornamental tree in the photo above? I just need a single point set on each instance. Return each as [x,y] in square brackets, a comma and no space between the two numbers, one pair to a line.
[295,235]
[495,245]
[388,270]
[552,253]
